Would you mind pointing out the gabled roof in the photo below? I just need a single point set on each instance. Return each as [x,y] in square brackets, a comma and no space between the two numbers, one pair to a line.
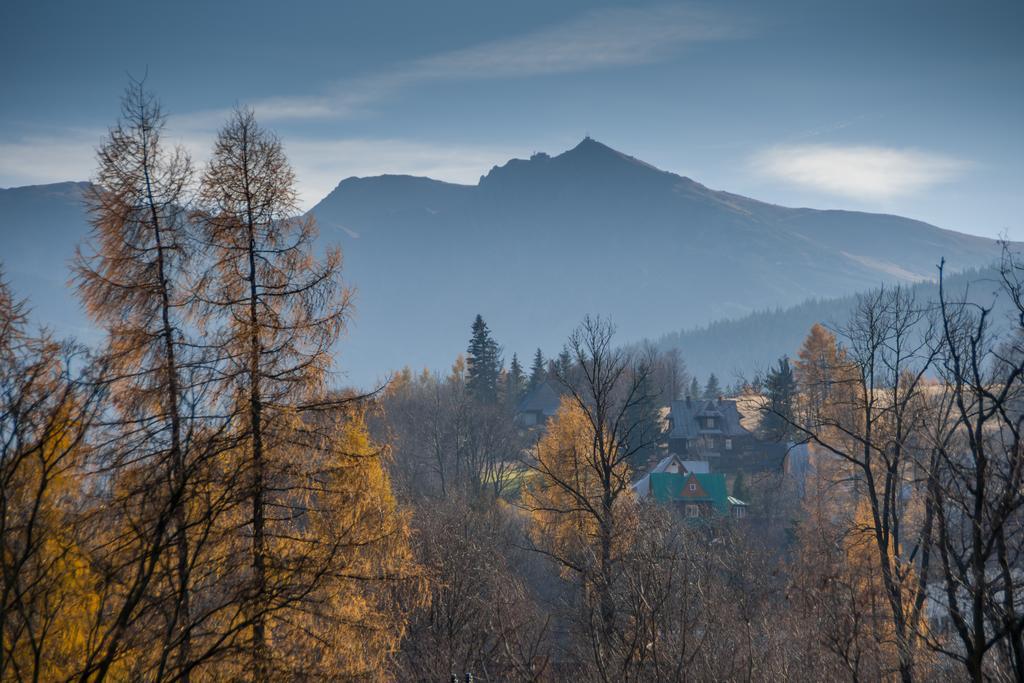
[670,463]
[667,487]
[544,399]
[685,413]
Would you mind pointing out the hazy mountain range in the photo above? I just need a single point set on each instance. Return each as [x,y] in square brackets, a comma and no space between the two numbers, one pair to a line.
[534,246]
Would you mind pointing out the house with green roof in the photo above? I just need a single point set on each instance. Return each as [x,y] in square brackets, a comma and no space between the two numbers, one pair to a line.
[696,494]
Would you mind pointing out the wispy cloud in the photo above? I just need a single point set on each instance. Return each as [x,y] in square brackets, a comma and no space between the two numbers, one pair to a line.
[40,159]
[595,40]
[860,172]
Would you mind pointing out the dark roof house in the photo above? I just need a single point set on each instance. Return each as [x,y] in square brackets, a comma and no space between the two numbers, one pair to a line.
[712,430]
[539,405]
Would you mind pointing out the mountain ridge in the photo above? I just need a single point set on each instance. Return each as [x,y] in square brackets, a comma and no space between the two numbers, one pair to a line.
[538,243]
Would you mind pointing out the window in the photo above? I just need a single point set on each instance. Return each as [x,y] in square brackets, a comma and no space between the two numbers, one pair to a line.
[692,511]
[728,444]
[693,487]
[739,512]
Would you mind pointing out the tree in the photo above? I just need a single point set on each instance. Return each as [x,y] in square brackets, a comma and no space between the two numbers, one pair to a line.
[483,363]
[538,371]
[712,389]
[515,384]
[739,488]
[975,478]
[135,286]
[276,311]
[580,496]
[694,388]
[780,387]
[819,370]
[47,586]
[864,413]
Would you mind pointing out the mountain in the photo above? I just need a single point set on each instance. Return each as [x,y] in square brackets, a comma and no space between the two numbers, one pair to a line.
[533,247]
[740,348]
[538,243]
[40,226]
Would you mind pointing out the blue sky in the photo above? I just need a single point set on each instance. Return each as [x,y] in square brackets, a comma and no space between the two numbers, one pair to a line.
[905,107]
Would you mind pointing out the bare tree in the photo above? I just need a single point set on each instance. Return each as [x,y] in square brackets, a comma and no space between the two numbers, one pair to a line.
[976,480]
[580,495]
[868,419]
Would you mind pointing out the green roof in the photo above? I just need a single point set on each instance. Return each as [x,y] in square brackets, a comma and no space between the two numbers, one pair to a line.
[667,487]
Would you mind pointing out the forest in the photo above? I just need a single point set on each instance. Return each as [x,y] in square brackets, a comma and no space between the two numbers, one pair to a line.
[201,497]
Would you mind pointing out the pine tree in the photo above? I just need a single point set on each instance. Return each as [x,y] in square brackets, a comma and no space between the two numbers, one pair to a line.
[739,488]
[515,383]
[694,388]
[712,389]
[644,417]
[780,386]
[563,364]
[483,363]
[538,371]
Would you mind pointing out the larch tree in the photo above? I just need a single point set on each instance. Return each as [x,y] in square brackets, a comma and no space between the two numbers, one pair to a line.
[275,311]
[132,279]
[47,588]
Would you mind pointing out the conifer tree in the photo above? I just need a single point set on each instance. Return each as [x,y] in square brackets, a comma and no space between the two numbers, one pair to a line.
[780,386]
[277,312]
[694,388]
[515,383]
[132,280]
[712,389]
[483,363]
[538,371]
[564,363]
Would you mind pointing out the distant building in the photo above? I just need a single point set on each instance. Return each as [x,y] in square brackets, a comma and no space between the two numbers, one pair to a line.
[712,430]
[695,495]
[538,406]
[673,465]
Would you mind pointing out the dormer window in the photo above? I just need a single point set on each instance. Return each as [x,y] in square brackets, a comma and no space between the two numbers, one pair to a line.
[693,487]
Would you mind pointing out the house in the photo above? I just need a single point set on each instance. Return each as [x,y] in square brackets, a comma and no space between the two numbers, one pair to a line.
[696,495]
[538,405]
[673,465]
[713,430]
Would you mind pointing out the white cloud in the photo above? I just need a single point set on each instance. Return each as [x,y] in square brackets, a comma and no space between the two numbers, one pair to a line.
[860,172]
[41,159]
[319,163]
[595,40]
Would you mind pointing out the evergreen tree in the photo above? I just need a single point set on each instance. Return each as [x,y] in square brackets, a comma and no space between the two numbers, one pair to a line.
[694,388]
[515,383]
[739,488]
[712,389]
[538,371]
[643,415]
[483,363]
[780,386]
[563,364]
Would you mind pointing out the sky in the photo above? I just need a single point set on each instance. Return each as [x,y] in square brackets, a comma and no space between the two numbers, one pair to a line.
[907,107]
